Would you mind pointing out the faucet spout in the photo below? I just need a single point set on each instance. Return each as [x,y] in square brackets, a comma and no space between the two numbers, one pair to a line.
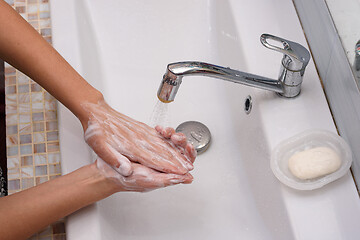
[295,59]
[176,71]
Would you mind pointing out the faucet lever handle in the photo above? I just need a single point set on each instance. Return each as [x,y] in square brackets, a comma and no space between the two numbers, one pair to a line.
[296,56]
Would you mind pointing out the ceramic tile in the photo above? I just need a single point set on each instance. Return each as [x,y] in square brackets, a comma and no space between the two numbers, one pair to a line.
[39,116]
[12,151]
[41,170]
[50,115]
[53,158]
[10,90]
[25,88]
[11,119]
[51,126]
[26,149]
[25,128]
[11,130]
[52,136]
[39,180]
[10,80]
[37,97]
[12,140]
[40,148]
[24,98]
[24,107]
[27,160]
[38,126]
[39,159]
[24,118]
[22,78]
[31,120]
[10,109]
[54,169]
[27,171]
[35,87]
[27,183]
[14,184]
[25,139]
[53,147]
[13,162]
[39,137]
[11,99]
[37,106]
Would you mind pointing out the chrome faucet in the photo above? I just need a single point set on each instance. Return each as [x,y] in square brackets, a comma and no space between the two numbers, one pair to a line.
[293,64]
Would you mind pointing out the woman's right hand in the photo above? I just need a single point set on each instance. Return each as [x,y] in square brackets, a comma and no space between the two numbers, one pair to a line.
[121,141]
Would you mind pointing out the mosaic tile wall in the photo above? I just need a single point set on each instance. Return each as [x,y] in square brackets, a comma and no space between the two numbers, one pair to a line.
[33,154]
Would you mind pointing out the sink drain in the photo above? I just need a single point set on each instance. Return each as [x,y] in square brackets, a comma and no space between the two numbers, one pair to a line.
[248,104]
[197,134]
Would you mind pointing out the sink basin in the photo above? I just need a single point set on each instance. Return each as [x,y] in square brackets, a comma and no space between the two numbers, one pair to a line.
[122,48]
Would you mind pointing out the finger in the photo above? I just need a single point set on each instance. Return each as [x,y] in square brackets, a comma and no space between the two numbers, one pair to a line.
[179,139]
[190,152]
[106,152]
[152,179]
[159,129]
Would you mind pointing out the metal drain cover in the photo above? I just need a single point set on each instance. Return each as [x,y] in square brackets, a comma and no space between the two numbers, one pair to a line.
[197,134]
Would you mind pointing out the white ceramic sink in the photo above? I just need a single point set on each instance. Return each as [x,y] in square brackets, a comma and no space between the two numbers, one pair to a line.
[123,47]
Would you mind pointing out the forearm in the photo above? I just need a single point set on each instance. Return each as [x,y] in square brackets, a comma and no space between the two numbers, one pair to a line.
[26,50]
[26,212]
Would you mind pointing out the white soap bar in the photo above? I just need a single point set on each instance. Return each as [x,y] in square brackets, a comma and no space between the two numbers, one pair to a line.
[314,162]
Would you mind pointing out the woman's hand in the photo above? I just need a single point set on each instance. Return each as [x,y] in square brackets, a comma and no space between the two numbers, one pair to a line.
[143,179]
[121,141]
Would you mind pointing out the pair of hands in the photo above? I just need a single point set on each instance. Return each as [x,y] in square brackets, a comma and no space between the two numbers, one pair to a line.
[134,155]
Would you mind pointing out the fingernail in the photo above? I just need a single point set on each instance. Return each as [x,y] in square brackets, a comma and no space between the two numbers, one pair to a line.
[175,181]
[189,166]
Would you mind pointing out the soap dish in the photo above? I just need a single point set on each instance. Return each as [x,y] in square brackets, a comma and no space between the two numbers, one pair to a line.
[304,141]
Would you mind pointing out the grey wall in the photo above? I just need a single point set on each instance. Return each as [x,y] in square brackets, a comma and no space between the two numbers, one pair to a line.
[334,69]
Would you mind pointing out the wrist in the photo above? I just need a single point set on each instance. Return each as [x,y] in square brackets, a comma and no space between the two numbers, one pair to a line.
[93,179]
[82,113]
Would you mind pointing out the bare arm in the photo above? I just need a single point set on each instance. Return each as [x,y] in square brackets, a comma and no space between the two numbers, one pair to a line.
[106,130]
[26,50]
[29,211]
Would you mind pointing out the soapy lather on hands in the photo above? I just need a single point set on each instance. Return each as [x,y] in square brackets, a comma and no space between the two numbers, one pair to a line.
[121,141]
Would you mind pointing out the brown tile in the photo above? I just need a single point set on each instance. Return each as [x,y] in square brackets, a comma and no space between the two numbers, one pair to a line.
[53,147]
[27,160]
[12,140]
[39,180]
[39,148]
